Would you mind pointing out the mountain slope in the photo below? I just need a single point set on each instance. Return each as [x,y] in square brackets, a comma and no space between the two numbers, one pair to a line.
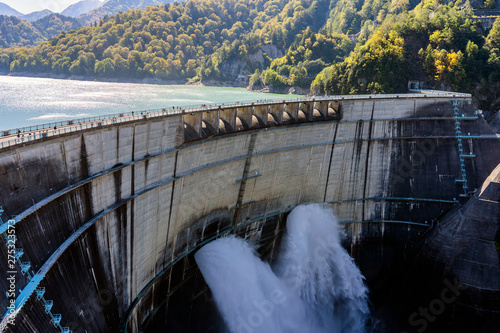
[115,6]
[53,24]
[81,8]
[199,39]
[15,32]
[8,10]
[31,17]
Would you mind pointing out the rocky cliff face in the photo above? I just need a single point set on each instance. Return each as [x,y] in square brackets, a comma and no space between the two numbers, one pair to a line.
[238,72]
[279,90]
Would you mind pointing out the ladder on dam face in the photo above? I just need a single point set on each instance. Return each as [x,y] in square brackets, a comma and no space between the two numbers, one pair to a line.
[34,280]
[461,155]
[243,181]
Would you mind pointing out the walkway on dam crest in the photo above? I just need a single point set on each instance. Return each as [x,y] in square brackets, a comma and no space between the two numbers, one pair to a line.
[263,111]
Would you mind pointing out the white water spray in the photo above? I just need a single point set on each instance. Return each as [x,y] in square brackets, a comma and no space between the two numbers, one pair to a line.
[315,285]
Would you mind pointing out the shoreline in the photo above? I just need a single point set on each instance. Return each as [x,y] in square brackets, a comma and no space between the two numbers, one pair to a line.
[46,75]
[158,81]
[43,94]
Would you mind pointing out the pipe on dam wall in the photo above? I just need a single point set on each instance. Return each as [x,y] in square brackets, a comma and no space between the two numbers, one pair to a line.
[117,210]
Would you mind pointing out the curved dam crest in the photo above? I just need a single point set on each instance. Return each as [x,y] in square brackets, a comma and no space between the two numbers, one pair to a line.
[110,216]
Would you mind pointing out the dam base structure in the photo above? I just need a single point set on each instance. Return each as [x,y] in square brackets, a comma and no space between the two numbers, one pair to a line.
[107,213]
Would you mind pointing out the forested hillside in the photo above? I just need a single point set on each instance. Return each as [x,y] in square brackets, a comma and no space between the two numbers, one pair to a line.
[436,43]
[439,44]
[338,47]
[15,32]
[51,25]
[178,41]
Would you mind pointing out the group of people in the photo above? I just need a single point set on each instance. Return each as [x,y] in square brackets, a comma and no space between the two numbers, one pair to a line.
[113,120]
[21,135]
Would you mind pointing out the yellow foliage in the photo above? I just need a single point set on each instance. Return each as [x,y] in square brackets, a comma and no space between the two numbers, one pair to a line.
[445,63]
[452,59]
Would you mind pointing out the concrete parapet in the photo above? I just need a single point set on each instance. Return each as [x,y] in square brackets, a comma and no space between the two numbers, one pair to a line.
[193,122]
[290,112]
[276,110]
[320,110]
[306,108]
[228,116]
[211,122]
[245,115]
[261,112]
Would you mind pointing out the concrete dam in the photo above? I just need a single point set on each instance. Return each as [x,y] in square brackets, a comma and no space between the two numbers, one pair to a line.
[103,216]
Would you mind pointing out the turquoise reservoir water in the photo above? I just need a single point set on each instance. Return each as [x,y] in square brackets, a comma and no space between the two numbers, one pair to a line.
[26,101]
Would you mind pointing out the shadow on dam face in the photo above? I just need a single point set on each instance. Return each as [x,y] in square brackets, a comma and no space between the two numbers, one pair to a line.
[131,202]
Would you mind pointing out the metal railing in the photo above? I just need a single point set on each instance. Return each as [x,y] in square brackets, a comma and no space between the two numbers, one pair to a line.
[36,132]
[31,287]
[461,155]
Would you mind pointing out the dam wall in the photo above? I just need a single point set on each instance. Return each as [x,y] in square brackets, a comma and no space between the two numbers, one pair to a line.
[108,217]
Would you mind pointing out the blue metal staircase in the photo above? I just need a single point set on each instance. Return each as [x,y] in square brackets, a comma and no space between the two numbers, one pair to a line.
[31,287]
[462,156]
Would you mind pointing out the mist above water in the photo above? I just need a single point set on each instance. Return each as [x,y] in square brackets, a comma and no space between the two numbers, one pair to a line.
[313,287]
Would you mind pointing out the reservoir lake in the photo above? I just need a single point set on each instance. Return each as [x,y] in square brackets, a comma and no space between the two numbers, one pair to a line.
[26,101]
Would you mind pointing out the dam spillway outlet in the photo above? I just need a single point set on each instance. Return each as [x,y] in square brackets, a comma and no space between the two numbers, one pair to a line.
[120,208]
[313,287]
